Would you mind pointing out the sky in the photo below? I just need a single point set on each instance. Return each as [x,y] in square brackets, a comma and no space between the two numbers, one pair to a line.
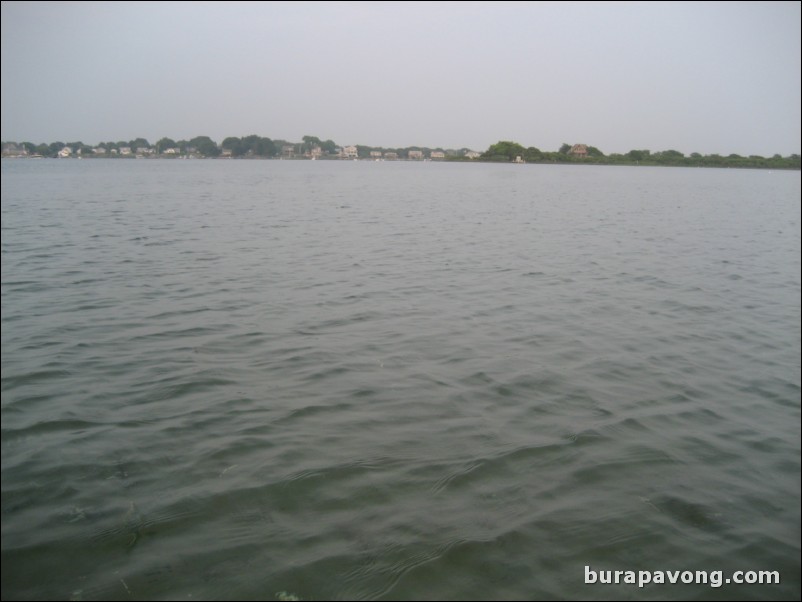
[708,77]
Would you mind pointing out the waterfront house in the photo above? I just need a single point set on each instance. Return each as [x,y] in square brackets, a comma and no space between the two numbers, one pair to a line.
[579,150]
[10,149]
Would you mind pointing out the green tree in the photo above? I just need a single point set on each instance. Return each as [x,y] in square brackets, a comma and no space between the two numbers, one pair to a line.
[638,155]
[234,145]
[533,154]
[564,148]
[504,149]
[139,143]
[310,142]
[205,146]
[164,143]
[264,147]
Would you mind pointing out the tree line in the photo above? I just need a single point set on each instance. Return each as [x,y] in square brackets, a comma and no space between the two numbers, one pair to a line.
[502,151]
[506,151]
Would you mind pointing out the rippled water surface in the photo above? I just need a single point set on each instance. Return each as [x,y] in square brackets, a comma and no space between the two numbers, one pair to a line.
[326,380]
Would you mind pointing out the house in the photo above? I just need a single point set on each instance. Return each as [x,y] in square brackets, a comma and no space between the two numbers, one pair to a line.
[473,155]
[99,150]
[125,151]
[12,150]
[579,150]
[437,155]
[375,154]
[415,155]
[65,152]
[350,152]
[316,152]
[288,150]
[391,156]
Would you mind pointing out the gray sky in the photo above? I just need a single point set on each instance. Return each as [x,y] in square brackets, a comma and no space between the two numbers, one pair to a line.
[716,77]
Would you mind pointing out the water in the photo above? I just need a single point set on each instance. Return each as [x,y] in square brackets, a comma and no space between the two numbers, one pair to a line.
[267,379]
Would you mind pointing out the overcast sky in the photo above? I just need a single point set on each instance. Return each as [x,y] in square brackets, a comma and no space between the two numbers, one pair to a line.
[718,77]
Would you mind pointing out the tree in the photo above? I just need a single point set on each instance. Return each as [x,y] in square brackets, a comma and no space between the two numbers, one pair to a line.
[205,146]
[165,143]
[533,154]
[139,143]
[233,145]
[263,147]
[594,152]
[504,149]
[310,142]
[564,148]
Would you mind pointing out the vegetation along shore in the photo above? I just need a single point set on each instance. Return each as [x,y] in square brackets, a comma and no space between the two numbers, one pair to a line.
[313,148]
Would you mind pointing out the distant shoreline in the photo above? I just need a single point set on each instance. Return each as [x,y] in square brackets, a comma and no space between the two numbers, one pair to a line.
[313,148]
[452,161]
